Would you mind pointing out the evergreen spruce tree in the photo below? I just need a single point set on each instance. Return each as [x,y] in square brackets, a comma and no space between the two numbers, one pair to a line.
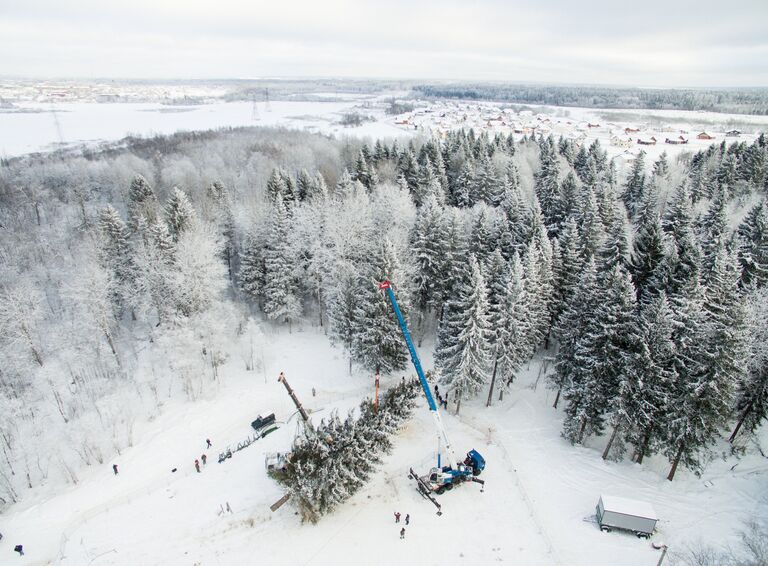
[303,185]
[648,252]
[276,186]
[570,197]
[570,371]
[252,269]
[487,186]
[714,228]
[512,325]
[463,350]
[547,189]
[179,214]
[481,242]
[686,429]
[601,357]
[428,184]
[463,194]
[634,188]
[751,403]
[142,202]
[364,173]
[753,247]
[567,274]
[590,225]
[225,221]
[378,344]
[317,190]
[645,399]
[281,288]
[626,356]
[428,249]
[408,168]
[116,255]
[342,310]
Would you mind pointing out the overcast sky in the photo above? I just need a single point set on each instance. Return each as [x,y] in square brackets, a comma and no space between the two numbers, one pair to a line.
[637,42]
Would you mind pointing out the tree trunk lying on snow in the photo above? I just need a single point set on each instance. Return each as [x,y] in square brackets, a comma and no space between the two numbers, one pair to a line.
[330,462]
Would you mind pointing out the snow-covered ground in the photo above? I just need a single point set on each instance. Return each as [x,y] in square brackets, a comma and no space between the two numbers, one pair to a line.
[537,508]
[36,126]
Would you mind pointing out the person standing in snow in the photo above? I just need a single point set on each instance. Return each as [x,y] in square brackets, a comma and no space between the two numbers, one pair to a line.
[313,392]
[397,517]
[19,548]
[407,518]
[203,458]
[208,442]
[197,466]
[114,468]
[402,532]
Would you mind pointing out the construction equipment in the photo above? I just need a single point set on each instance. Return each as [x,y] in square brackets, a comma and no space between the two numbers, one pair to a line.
[263,423]
[441,478]
[277,461]
[304,415]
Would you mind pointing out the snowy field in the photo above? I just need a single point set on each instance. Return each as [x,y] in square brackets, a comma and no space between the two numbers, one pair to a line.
[537,508]
[35,126]
[42,127]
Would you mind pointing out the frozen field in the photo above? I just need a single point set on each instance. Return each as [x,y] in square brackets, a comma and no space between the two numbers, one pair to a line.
[42,127]
[537,508]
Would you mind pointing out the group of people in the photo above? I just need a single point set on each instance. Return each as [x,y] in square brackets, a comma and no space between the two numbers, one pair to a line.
[204,458]
[407,522]
[443,402]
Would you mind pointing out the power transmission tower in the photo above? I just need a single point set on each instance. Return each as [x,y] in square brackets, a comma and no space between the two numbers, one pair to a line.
[56,123]
[254,108]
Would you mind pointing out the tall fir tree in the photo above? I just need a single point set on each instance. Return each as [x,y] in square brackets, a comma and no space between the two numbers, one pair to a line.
[378,344]
[179,214]
[463,353]
[281,289]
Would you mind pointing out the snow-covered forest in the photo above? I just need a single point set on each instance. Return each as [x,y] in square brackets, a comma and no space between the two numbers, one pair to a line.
[125,272]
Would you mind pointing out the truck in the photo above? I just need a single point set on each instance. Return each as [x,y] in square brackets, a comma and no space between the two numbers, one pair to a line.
[262,424]
[452,471]
[626,514]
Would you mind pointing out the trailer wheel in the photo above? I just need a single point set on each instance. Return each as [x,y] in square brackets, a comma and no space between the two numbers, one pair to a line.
[476,472]
[646,536]
[440,490]
[605,529]
[449,487]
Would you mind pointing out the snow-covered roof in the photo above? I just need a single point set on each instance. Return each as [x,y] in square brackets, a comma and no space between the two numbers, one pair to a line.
[628,507]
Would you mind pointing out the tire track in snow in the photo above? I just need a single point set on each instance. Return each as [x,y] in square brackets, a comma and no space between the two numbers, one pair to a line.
[520,488]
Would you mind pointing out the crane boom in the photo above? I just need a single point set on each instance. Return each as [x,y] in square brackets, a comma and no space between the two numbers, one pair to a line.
[441,433]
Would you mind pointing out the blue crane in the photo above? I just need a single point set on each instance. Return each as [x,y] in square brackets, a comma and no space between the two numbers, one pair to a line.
[442,477]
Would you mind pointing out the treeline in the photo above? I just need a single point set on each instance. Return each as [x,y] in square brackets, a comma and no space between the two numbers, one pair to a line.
[741,101]
[128,274]
[331,461]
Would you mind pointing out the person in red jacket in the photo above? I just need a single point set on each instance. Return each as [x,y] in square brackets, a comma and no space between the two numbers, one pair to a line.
[197,466]
[397,517]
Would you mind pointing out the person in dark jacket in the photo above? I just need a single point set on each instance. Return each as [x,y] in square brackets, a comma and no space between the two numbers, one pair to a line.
[114,468]
[203,458]
[402,532]
[407,518]
[19,548]
[197,466]
[208,442]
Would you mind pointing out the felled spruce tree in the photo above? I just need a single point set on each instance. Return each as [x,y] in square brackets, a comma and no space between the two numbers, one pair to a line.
[332,461]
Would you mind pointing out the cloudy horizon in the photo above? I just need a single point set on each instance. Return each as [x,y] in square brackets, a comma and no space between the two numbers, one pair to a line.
[657,44]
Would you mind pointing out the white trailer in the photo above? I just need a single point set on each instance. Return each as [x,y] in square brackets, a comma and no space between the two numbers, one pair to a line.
[627,514]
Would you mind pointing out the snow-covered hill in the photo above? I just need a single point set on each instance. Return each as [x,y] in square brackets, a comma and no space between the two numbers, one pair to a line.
[537,507]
